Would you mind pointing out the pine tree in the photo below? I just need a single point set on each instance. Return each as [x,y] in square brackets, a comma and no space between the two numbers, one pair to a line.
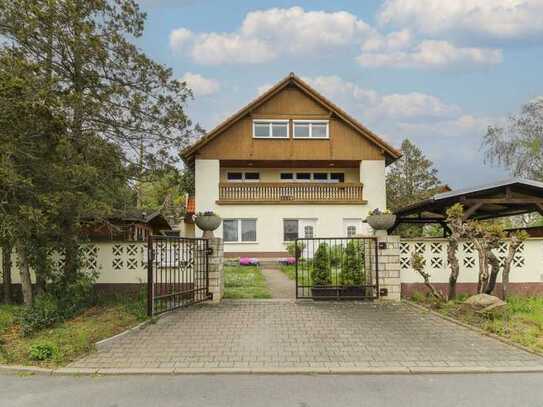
[411,178]
[321,267]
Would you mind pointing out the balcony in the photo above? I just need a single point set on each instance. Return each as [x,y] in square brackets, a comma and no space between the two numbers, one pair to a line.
[248,193]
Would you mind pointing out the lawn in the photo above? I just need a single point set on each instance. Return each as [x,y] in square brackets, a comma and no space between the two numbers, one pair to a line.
[68,340]
[521,321]
[245,282]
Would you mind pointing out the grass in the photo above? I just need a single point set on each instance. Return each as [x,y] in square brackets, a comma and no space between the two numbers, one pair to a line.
[68,340]
[245,282]
[521,321]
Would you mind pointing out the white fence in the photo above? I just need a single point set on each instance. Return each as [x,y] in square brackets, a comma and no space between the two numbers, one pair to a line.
[527,266]
[115,262]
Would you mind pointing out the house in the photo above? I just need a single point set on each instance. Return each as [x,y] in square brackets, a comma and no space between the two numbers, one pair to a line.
[289,164]
[126,225]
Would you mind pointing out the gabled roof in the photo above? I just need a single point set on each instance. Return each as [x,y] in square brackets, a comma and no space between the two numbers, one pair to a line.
[390,152]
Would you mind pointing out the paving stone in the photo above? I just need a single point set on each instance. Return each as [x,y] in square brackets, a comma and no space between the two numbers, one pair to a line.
[264,336]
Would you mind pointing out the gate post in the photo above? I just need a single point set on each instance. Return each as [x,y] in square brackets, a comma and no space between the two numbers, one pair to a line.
[388,249]
[216,268]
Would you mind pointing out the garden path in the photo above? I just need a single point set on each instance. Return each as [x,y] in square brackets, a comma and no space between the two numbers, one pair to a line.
[279,284]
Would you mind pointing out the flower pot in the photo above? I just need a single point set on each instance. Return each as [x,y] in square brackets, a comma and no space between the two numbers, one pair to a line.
[208,223]
[353,292]
[324,293]
[383,221]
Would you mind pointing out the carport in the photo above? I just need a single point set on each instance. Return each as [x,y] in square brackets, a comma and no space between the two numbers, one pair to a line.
[515,196]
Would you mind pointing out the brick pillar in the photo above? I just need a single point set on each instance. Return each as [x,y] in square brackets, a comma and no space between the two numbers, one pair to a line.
[389,266]
[216,268]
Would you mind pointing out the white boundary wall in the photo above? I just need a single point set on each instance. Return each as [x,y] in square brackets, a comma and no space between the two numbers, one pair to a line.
[527,264]
[115,262]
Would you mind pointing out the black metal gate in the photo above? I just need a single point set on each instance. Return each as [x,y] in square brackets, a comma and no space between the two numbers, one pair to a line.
[177,273]
[342,268]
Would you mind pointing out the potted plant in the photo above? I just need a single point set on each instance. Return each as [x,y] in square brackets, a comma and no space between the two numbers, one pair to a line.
[352,270]
[208,221]
[381,220]
[321,274]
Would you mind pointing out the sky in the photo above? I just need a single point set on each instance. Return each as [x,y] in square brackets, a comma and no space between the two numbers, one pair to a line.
[437,72]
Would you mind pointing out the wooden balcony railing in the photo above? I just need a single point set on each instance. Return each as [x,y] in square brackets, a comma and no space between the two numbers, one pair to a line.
[289,193]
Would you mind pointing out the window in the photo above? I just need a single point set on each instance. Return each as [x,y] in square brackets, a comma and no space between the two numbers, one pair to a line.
[270,129]
[239,230]
[313,129]
[303,176]
[234,176]
[251,176]
[290,229]
[243,176]
[308,232]
[351,231]
[230,230]
[320,176]
[287,176]
[337,177]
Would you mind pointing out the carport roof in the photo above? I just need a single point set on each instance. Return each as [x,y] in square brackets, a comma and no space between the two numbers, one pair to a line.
[509,197]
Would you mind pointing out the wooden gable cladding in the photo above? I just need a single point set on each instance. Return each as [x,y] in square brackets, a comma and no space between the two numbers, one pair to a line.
[237,143]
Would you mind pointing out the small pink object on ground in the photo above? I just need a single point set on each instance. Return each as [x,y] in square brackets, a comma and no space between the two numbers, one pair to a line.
[248,261]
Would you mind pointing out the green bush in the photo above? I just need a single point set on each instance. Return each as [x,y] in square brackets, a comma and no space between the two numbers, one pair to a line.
[336,255]
[62,301]
[320,273]
[42,313]
[352,268]
[42,351]
[291,248]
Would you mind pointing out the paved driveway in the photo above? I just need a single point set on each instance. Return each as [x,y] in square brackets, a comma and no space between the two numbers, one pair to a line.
[286,334]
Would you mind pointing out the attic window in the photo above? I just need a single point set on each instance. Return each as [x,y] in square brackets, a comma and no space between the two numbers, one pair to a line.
[270,129]
[311,129]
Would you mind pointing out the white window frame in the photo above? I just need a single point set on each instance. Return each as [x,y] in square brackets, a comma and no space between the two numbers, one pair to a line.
[302,223]
[243,179]
[269,123]
[311,122]
[239,221]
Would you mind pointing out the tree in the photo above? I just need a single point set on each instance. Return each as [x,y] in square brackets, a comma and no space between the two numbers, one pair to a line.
[411,178]
[99,103]
[518,145]
[417,263]
[321,267]
[352,267]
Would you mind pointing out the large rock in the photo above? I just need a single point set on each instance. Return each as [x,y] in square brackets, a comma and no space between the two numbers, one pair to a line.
[485,303]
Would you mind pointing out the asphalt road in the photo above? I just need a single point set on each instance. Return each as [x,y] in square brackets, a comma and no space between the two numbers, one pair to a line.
[494,390]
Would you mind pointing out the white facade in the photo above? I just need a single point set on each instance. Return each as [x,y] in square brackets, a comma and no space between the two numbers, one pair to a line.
[327,220]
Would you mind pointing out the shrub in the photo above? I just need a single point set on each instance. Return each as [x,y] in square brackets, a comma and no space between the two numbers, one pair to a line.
[291,248]
[321,266]
[42,351]
[74,296]
[42,313]
[352,268]
[336,255]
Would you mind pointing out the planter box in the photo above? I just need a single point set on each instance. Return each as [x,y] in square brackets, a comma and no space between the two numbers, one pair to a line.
[358,292]
[324,293]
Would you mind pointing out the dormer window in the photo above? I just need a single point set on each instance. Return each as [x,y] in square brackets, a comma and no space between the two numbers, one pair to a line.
[311,129]
[270,129]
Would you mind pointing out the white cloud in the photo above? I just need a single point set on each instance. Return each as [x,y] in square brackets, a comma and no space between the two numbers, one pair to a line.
[214,49]
[371,105]
[266,34]
[200,85]
[494,19]
[179,38]
[433,55]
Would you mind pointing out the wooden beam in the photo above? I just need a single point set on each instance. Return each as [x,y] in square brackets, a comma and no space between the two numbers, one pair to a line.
[539,208]
[471,210]
[505,201]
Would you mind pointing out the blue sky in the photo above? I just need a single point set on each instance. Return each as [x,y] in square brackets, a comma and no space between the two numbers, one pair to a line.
[433,71]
